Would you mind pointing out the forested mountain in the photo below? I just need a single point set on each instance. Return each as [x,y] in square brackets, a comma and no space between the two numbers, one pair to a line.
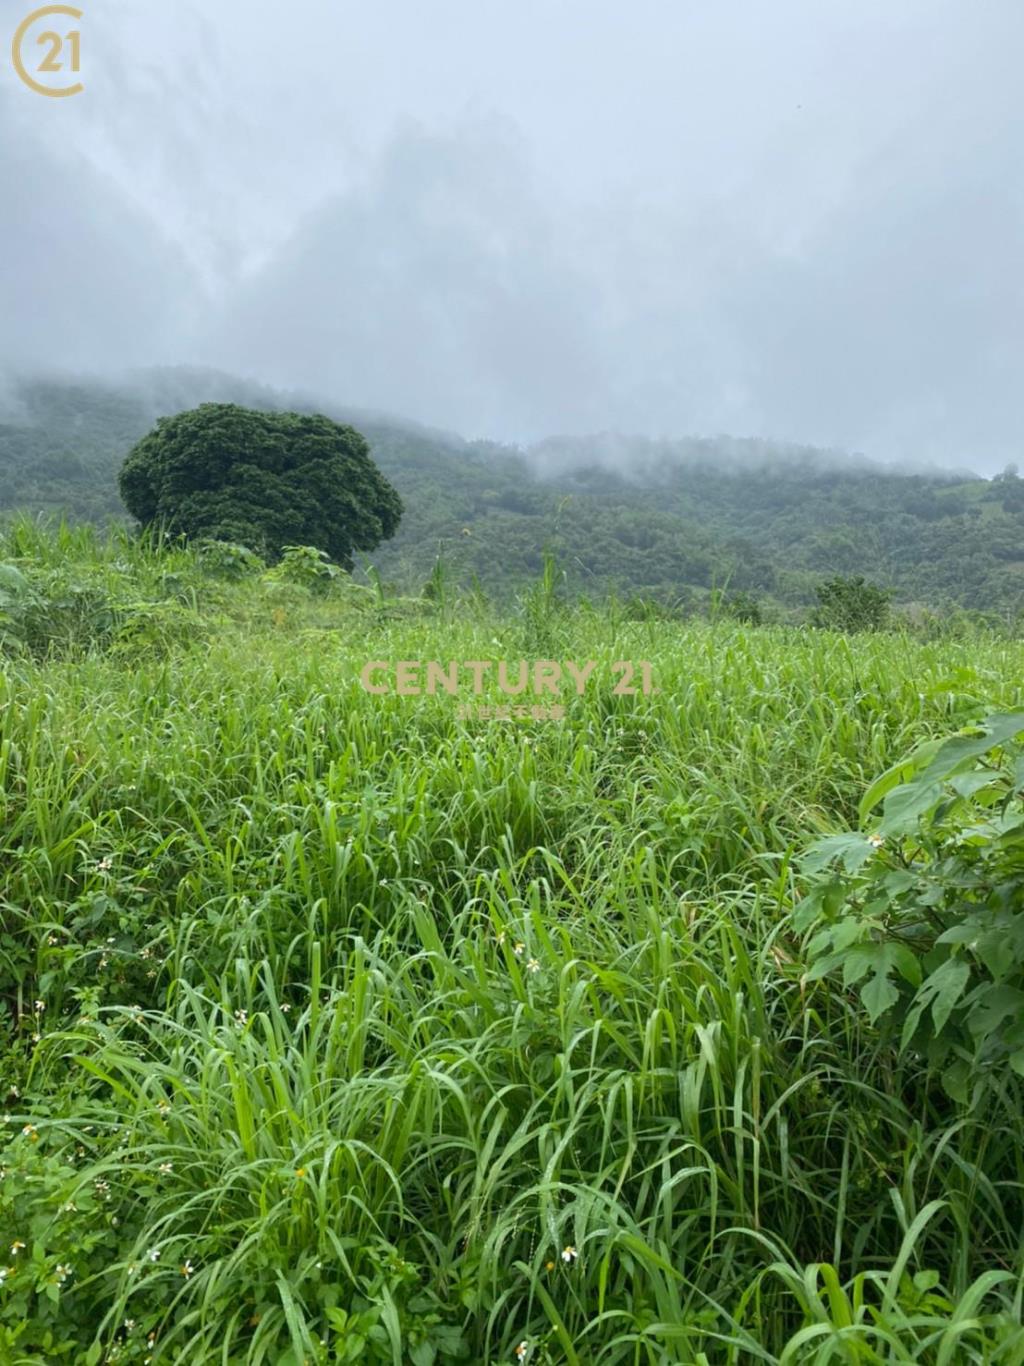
[671,519]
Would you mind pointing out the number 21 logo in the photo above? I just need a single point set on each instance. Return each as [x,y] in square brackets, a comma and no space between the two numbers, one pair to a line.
[62,51]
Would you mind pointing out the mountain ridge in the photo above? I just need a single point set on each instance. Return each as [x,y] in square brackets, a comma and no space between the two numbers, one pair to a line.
[668,518]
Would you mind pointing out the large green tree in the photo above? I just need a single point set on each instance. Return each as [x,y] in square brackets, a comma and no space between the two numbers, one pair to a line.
[264,480]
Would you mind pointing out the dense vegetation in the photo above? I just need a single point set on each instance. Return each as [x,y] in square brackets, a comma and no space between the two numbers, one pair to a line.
[339,1029]
[263,480]
[670,520]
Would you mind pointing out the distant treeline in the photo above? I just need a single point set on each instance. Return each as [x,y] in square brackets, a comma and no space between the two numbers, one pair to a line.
[679,522]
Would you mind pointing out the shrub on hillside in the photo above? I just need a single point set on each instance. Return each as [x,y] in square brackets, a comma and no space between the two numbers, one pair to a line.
[228,560]
[851,604]
[305,567]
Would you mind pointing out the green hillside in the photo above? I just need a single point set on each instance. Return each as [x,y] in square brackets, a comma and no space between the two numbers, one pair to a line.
[666,519]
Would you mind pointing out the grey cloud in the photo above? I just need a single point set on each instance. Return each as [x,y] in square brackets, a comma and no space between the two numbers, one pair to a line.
[442,286]
[87,279]
[794,221]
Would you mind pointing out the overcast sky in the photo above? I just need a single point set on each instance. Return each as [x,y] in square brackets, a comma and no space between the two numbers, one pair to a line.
[801,219]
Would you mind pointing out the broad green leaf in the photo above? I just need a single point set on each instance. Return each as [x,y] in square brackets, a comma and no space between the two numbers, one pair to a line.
[912,1021]
[998,730]
[994,1005]
[906,963]
[955,1080]
[905,804]
[967,784]
[944,988]
[879,996]
[900,773]
[858,962]
[854,850]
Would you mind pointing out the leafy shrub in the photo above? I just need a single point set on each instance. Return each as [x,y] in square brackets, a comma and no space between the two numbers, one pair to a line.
[155,628]
[306,567]
[228,559]
[851,604]
[17,600]
[52,614]
[743,607]
[926,916]
[57,1235]
[74,616]
[58,612]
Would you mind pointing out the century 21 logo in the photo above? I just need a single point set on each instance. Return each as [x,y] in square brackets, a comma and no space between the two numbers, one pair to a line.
[60,52]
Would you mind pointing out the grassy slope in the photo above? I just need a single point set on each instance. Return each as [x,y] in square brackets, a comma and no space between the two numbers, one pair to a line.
[291,1045]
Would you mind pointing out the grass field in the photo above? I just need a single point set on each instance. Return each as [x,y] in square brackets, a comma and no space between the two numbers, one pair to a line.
[340,1029]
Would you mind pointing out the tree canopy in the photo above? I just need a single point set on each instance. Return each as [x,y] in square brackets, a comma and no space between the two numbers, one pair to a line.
[262,479]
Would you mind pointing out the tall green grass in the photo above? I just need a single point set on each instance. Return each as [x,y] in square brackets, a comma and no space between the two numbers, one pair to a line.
[373,1034]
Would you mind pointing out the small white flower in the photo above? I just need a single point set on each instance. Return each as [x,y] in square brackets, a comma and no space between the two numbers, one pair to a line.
[533,965]
[16,1247]
[154,1255]
[5,1271]
[519,950]
[876,841]
[104,865]
[186,1269]
[40,1007]
[241,1016]
[523,1350]
[166,1167]
[569,1254]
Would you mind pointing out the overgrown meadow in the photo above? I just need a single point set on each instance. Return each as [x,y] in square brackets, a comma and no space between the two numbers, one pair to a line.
[339,1029]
